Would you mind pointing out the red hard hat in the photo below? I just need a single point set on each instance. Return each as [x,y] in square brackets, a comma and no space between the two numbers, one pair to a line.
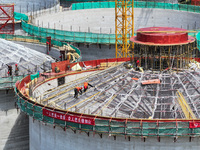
[138,61]
[15,64]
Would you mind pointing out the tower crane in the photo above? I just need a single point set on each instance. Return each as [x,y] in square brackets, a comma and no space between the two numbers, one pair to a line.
[124,27]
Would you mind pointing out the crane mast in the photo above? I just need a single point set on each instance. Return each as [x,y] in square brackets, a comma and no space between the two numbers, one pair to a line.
[124,27]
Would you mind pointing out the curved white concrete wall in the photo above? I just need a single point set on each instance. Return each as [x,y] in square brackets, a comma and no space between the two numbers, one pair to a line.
[14,128]
[103,20]
[24,6]
[44,137]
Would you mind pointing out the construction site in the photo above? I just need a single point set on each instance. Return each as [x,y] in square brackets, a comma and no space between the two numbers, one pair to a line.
[140,60]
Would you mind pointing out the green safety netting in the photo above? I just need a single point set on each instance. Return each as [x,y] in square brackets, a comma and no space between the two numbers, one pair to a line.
[33,76]
[69,36]
[19,16]
[35,39]
[84,37]
[9,82]
[198,40]
[158,128]
[137,4]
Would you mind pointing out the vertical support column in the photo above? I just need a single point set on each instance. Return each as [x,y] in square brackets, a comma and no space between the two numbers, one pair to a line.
[177,57]
[169,53]
[160,58]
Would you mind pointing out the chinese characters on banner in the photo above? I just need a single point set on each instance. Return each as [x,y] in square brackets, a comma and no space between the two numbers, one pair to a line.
[75,119]
[194,125]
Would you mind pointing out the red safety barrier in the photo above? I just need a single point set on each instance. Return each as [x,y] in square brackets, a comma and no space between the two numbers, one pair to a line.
[197,59]
[26,80]
[94,63]
[70,118]
[195,2]
[7,25]
[62,65]
[194,124]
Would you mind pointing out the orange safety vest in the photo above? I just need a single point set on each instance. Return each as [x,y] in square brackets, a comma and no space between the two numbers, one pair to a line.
[85,84]
[78,88]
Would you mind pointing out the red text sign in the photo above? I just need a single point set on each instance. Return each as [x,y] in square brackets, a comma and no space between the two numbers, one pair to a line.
[194,125]
[75,119]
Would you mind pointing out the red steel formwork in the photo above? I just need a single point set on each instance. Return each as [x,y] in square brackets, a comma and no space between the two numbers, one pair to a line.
[195,2]
[7,19]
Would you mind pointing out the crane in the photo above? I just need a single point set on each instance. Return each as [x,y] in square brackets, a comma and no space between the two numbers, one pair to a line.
[124,27]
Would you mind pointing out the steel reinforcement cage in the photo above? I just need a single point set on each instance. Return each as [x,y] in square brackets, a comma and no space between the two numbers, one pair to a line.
[98,124]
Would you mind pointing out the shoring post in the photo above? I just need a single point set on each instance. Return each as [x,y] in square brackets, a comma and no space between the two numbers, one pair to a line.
[93,129]
[125,126]
[141,127]
[176,127]
[158,131]
[109,126]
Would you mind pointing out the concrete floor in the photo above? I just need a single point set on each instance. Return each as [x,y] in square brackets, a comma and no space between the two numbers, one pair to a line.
[103,20]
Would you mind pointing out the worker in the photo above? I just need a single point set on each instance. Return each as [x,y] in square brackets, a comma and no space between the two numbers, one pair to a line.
[137,64]
[76,91]
[86,86]
[9,70]
[57,70]
[16,70]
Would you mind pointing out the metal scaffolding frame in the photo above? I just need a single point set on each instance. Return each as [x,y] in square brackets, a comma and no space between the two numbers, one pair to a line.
[161,57]
[118,94]
[7,25]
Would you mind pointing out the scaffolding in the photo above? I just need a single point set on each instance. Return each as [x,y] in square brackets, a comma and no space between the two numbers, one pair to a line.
[120,104]
[118,94]
[7,19]
[160,57]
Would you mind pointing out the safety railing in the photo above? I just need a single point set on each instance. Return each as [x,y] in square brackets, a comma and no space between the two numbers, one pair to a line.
[99,124]
[86,37]
[111,126]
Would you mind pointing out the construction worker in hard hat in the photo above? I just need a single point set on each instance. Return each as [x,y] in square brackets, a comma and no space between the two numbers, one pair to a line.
[86,86]
[137,64]
[76,91]
[9,70]
[16,70]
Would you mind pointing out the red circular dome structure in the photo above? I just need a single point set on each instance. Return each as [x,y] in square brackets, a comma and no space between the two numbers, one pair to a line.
[162,36]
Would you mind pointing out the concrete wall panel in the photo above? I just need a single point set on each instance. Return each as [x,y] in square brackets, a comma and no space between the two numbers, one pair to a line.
[24,6]
[14,126]
[103,20]
[46,137]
